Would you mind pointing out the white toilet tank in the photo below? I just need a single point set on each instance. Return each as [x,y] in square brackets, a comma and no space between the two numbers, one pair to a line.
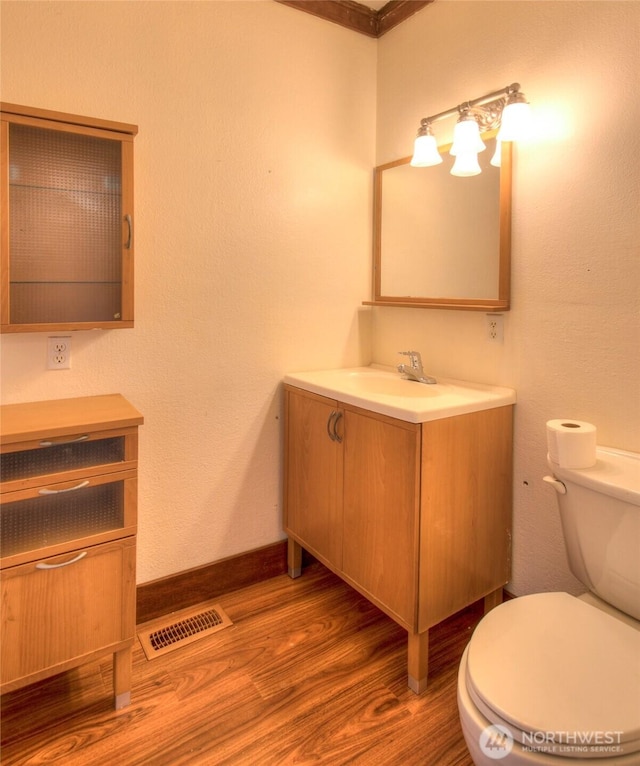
[600,514]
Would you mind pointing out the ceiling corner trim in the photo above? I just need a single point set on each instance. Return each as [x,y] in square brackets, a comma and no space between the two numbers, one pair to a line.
[357,16]
[347,13]
[397,11]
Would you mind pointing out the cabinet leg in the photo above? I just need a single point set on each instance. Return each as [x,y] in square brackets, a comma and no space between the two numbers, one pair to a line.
[294,558]
[418,661]
[492,600]
[122,661]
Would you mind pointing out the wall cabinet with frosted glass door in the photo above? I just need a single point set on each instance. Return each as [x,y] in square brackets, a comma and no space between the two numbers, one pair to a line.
[66,200]
[68,511]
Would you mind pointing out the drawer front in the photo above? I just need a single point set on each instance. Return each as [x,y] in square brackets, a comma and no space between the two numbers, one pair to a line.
[65,458]
[66,607]
[58,518]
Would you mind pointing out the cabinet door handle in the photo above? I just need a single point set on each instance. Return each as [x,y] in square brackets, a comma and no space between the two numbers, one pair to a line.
[330,426]
[336,435]
[332,422]
[127,244]
[46,491]
[44,565]
[82,438]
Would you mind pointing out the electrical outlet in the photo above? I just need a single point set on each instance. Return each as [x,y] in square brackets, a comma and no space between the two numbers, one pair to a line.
[59,352]
[495,328]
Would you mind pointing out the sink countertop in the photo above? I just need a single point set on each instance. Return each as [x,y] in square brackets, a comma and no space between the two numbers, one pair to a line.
[385,391]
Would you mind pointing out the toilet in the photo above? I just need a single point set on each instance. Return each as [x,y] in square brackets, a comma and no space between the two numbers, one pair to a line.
[552,679]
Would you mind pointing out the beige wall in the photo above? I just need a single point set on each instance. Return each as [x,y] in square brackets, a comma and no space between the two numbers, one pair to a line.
[253,209]
[253,193]
[573,335]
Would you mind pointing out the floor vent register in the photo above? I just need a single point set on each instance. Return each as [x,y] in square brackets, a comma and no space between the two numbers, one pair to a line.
[180,628]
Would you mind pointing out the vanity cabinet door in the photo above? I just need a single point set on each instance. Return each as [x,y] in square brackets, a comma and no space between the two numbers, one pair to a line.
[381,510]
[313,483]
[465,547]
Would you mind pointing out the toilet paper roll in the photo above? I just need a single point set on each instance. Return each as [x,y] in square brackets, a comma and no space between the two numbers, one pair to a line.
[571,443]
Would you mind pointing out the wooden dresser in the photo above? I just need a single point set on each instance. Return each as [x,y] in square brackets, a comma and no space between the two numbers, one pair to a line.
[68,522]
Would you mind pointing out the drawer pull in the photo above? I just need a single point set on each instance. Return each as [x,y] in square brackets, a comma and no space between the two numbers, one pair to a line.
[69,441]
[46,491]
[44,565]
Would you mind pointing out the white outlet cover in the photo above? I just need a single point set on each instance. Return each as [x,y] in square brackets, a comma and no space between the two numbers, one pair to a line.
[495,328]
[59,352]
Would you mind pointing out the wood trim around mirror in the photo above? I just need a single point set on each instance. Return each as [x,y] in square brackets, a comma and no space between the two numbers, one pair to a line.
[502,302]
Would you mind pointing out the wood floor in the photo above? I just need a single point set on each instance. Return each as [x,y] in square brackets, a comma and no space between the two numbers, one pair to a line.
[309,673]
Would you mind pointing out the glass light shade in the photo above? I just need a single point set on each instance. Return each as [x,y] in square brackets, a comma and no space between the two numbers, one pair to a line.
[425,152]
[496,160]
[466,164]
[466,138]
[516,122]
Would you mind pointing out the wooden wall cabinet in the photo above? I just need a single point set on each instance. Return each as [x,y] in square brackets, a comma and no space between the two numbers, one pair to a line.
[68,516]
[416,517]
[66,200]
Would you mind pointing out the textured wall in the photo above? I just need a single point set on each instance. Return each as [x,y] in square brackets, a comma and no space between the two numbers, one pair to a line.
[253,193]
[572,337]
[253,217]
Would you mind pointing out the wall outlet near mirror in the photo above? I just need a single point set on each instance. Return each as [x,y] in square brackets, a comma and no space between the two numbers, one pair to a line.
[495,328]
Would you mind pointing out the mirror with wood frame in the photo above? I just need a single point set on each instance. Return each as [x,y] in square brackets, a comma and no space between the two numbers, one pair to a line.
[443,241]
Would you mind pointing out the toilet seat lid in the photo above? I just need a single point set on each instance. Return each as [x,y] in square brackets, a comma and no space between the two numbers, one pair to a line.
[551,663]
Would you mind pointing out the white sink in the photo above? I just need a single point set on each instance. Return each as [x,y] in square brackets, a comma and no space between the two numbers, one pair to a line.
[385,391]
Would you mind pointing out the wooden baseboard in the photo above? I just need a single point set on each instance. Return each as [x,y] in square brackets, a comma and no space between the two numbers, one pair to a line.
[192,586]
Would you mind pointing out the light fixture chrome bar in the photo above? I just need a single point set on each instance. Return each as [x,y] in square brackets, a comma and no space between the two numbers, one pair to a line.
[506,91]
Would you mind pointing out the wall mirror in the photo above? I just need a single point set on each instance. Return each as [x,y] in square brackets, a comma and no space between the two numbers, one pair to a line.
[442,241]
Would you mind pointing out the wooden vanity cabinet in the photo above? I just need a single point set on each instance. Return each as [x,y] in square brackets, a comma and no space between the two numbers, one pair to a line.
[68,516]
[416,517]
[66,200]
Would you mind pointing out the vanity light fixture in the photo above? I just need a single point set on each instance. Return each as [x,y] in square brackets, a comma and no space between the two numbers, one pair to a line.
[425,147]
[496,160]
[506,109]
[466,164]
[516,118]
[466,134]
[467,144]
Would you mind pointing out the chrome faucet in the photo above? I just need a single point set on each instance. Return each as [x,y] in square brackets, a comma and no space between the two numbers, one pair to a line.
[413,370]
